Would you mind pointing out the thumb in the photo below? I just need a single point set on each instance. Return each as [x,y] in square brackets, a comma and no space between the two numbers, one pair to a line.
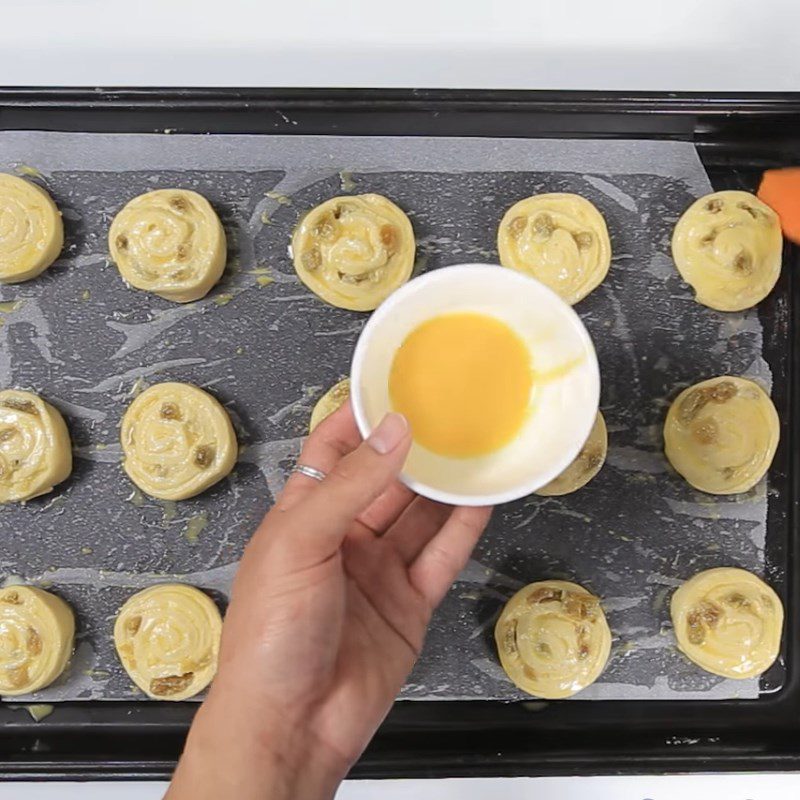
[327,513]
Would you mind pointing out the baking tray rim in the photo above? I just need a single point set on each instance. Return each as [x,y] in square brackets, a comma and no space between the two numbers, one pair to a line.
[697,117]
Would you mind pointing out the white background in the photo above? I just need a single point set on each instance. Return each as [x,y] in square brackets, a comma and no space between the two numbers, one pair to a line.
[700,787]
[670,45]
[546,44]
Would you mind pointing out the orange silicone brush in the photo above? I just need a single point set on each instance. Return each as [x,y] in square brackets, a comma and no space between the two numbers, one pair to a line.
[780,189]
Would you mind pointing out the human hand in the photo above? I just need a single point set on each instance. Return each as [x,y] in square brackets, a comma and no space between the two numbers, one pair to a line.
[328,614]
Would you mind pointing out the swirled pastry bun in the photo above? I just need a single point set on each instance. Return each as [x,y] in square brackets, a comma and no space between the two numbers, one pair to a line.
[331,401]
[553,639]
[169,242]
[167,638]
[31,230]
[353,252]
[177,440]
[586,465]
[721,434]
[728,621]
[35,448]
[727,246]
[37,631]
[559,239]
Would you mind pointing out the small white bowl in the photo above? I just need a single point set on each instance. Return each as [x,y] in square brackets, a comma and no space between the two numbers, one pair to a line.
[563,403]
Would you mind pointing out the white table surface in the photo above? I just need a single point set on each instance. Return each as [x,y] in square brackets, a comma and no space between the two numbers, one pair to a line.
[681,787]
[681,45]
[670,45]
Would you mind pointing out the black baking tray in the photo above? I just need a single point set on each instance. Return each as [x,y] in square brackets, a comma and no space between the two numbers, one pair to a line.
[737,137]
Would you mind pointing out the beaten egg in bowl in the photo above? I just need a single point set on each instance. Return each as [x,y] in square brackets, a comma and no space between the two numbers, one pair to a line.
[495,373]
[463,381]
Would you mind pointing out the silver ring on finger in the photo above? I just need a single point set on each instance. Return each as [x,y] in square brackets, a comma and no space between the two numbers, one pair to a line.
[310,472]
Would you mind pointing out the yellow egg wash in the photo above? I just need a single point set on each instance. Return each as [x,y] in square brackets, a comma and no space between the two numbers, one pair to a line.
[463,381]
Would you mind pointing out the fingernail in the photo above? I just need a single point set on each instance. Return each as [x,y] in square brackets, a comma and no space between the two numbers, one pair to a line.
[388,434]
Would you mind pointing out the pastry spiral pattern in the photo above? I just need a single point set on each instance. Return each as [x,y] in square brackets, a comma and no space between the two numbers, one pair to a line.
[169,242]
[31,230]
[177,441]
[353,252]
[559,239]
[553,639]
[586,465]
[35,448]
[721,434]
[167,638]
[727,246]
[728,621]
[331,401]
[37,631]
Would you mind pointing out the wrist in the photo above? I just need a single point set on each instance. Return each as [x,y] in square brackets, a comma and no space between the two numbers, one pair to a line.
[235,752]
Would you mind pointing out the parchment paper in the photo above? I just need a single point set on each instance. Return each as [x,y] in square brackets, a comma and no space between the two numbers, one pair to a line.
[269,349]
